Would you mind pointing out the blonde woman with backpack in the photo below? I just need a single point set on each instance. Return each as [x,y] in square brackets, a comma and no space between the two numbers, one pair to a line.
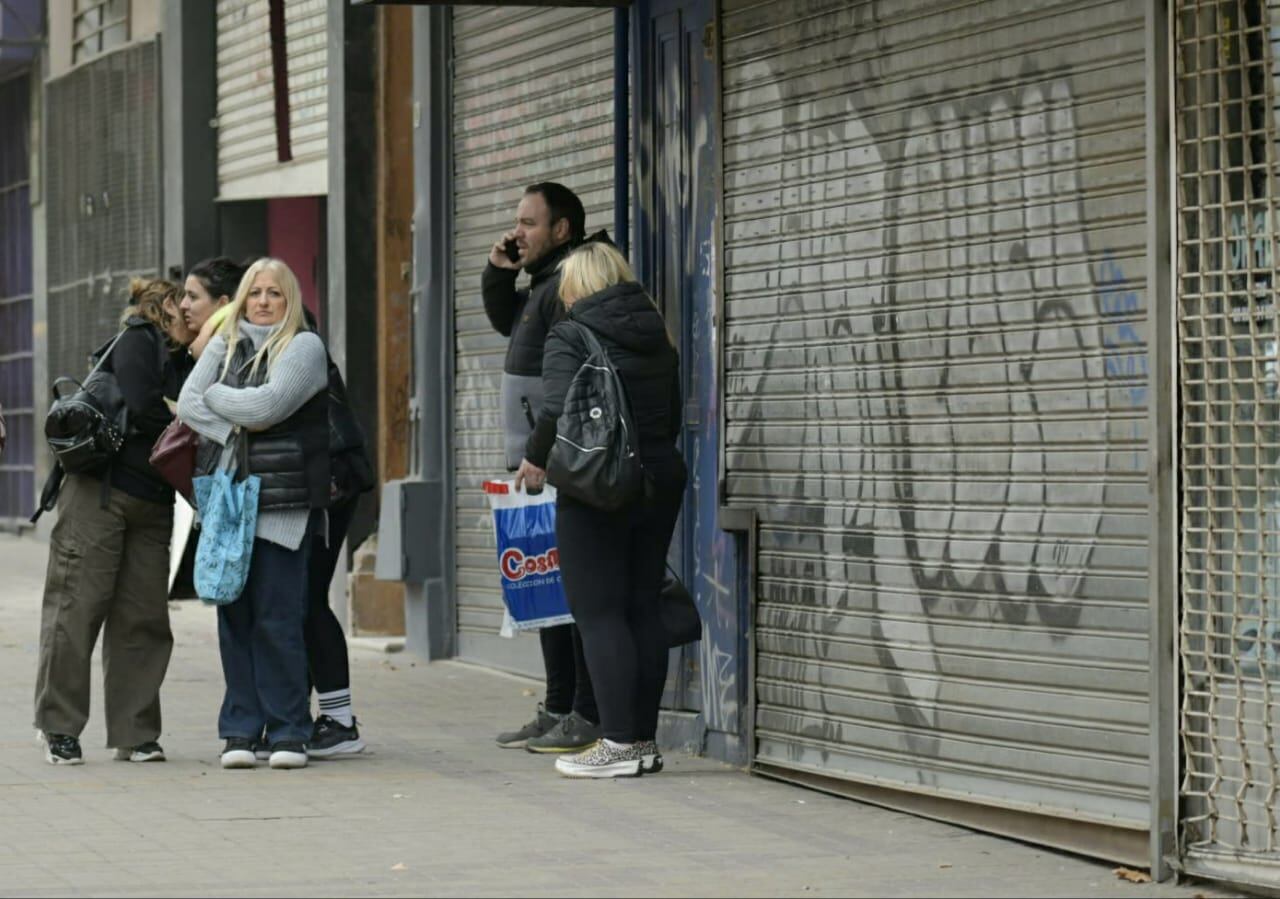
[612,561]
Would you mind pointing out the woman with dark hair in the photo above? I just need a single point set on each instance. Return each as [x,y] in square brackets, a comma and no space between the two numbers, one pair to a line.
[207,292]
[109,554]
[335,732]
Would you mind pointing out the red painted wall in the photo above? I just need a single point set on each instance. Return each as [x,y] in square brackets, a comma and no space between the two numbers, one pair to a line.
[293,234]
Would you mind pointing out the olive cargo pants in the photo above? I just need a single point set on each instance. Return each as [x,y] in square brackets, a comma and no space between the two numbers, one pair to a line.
[109,571]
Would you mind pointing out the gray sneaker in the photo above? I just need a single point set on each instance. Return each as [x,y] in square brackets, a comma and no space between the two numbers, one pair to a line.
[571,734]
[542,722]
[602,760]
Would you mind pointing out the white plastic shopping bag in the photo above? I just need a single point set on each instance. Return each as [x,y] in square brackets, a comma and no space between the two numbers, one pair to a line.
[528,560]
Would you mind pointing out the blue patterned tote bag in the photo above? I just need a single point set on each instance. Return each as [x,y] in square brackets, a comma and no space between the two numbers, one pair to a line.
[228,520]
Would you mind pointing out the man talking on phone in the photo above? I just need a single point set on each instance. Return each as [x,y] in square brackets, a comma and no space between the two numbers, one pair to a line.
[550,221]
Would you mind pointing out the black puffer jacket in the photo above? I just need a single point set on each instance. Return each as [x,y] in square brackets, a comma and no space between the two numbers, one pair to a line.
[526,316]
[631,330]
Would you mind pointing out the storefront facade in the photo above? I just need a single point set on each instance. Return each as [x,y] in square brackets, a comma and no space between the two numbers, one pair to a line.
[939,536]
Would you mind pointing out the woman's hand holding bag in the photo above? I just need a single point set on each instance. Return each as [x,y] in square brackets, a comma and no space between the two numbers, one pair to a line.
[228,522]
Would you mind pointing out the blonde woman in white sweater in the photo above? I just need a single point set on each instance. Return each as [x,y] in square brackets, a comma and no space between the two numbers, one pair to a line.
[258,394]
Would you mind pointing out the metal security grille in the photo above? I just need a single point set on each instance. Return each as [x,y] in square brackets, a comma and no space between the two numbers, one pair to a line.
[1230,438]
[532,101]
[17,465]
[936,395]
[104,196]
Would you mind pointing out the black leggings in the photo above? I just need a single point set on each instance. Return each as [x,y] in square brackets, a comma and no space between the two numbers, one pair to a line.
[568,683]
[612,565]
[326,644]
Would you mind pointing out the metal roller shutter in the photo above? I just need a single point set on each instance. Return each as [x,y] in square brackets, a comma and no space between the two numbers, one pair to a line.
[937,393]
[308,48]
[532,101]
[248,162]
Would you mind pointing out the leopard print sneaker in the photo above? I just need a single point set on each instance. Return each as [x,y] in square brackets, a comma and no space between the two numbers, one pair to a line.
[602,760]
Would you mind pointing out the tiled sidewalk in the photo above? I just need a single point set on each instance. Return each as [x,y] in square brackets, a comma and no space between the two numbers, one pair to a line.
[434,808]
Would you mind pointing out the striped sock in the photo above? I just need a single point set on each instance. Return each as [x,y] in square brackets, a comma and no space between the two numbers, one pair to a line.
[337,705]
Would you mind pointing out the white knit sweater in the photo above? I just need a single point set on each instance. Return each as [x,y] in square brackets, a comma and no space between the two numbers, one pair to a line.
[215,411]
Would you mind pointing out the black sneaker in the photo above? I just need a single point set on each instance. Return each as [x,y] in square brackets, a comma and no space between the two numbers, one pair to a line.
[542,722]
[288,755]
[239,753]
[330,738]
[143,752]
[650,757]
[571,734]
[62,749]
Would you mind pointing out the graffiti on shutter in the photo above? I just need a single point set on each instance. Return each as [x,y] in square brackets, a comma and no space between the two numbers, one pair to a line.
[937,393]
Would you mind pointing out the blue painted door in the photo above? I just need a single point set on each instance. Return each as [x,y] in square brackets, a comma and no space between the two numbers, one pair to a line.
[17,464]
[676,209]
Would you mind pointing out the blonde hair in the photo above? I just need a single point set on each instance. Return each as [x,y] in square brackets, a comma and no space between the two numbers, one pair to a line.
[284,332]
[146,300]
[590,269]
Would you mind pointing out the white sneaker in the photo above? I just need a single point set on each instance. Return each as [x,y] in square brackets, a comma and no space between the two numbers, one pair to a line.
[288,755]
[144,752]
[238,754]
[602,760]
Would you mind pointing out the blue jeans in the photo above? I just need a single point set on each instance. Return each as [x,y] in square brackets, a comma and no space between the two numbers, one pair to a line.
[264,652]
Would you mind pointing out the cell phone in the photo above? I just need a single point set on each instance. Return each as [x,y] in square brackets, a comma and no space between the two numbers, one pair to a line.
[512,250]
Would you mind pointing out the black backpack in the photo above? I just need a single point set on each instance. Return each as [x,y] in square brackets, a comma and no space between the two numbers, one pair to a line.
[595,459]
[85,428]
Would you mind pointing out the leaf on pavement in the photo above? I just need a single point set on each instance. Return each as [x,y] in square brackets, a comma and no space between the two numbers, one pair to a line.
[1132,876]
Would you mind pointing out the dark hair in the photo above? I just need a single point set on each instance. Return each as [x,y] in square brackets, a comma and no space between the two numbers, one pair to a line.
[564,204]
[220,275]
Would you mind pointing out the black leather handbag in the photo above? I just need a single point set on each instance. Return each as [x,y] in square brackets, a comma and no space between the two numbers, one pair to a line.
[679,612]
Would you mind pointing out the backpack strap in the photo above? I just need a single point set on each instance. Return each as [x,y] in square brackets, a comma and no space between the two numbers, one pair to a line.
[593,345]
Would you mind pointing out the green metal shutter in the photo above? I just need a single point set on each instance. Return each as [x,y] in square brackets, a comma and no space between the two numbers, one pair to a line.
[937,393]
[532,101]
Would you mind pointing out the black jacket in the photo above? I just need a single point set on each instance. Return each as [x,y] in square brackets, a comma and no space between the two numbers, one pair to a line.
[526,316]
[291,459]
[631,330]
[350,468]
[148,370]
